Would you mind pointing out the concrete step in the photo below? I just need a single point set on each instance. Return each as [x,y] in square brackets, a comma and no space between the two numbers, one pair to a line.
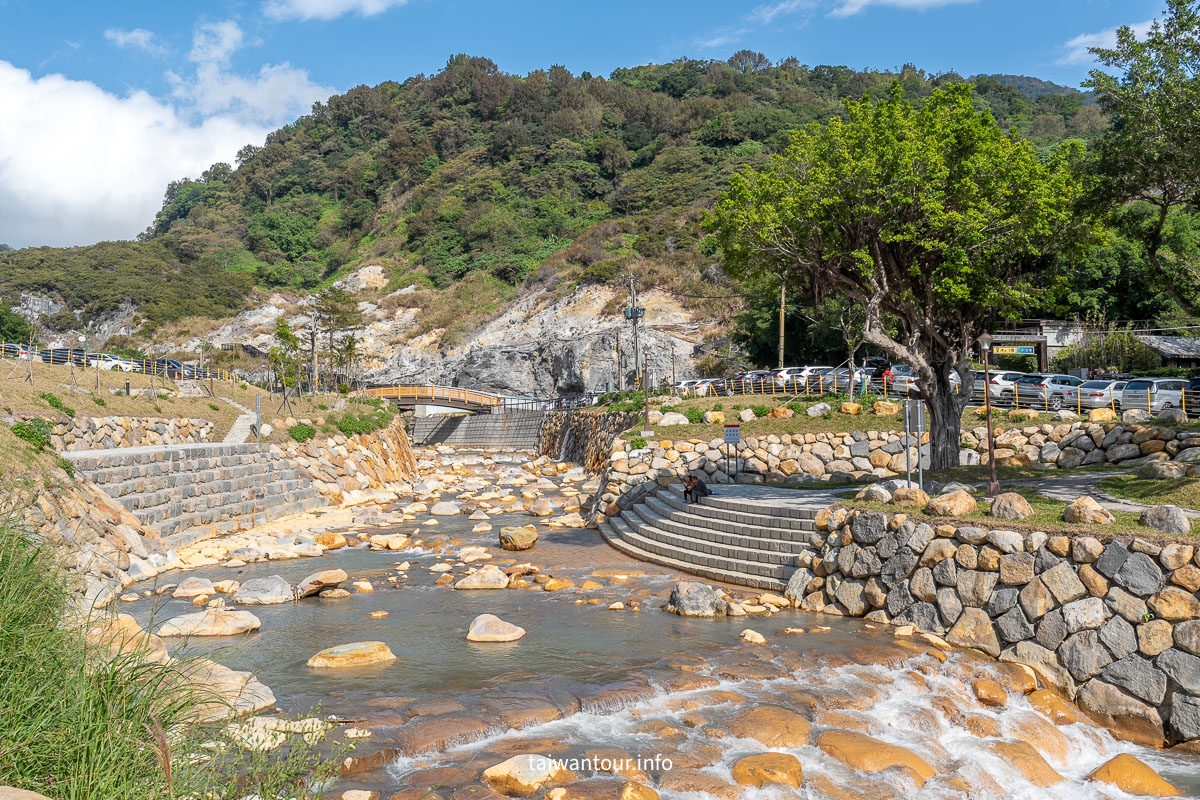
[803,508]
[621,535]
[86,460]
[706,552]
[251,511]
[239,432]
[198,533]
[202,474]
[703,515]
[657,514]
[158,506]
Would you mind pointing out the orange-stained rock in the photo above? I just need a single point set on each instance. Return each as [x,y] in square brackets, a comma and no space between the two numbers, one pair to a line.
[865,753]
[1131,775]
[771,725]
[989,693]
[1038,733]
[693,780]
[764,768]
[1058,710]
[1027,761]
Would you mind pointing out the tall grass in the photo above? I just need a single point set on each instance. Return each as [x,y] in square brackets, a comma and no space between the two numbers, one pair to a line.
[88,718]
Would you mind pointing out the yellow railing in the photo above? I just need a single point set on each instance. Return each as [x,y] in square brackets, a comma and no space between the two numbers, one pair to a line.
[434,394]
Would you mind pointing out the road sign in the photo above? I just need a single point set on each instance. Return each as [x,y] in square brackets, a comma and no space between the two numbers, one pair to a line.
[1015,350]
[733,434]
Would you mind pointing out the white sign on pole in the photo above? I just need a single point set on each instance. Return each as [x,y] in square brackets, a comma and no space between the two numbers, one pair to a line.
[733,434]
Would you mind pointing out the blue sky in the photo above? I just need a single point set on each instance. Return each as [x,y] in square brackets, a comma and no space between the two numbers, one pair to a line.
[106,102]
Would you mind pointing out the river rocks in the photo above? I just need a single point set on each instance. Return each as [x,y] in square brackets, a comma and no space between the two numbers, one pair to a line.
[356,654]
[1133,776]
[1086,511]
[692,599]
[211,622]
[540,508]
[517,539]
[1012,506]
[974,629]
[264,592]
[1170,519]
[955,504]
[768,768]
[1027,761]
[750,636]
[487,577]
[194,587]
[320,581]
[771,725]
[330,540]
[866,754]
[445,508]
[523,775]
[490,628]
[989,693]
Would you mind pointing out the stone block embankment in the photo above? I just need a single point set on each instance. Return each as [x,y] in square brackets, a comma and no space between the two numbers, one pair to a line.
[355,469]
[1115,626]
[100,433]
[582,437]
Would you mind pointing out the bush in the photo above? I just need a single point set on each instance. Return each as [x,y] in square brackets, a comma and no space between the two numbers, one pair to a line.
[718,407]
[694,414]
[98,400]
[760,411]
[637,443]
[65,466]
[34,431]
[55,402]
[214,406]
[302,432]
[669,409]
[352,424]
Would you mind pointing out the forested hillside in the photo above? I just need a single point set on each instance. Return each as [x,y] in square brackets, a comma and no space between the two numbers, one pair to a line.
[472,178]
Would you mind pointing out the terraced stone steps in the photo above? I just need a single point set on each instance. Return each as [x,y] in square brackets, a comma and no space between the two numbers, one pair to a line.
[730,536]
[191,492]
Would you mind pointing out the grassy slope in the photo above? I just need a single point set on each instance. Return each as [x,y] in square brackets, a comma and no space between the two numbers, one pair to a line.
[1183,492]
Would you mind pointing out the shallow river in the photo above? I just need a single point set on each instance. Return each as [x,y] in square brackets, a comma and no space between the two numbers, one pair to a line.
[647,684]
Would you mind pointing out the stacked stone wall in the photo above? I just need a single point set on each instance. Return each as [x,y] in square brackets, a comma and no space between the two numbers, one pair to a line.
[103,433]
[356,469]
[1115,625]
[582,437]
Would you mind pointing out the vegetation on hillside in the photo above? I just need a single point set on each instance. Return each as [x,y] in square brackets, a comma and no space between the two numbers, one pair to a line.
[474,175]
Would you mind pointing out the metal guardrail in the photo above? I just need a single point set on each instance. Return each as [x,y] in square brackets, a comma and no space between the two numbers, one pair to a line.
[86,360]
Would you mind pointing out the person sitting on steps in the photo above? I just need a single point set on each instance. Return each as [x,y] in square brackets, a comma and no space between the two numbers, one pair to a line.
[694,489]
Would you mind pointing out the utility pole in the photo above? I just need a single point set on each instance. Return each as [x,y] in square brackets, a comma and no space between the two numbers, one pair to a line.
[782,307]
[620,371]
[646,388]
[633,318]
[672,365]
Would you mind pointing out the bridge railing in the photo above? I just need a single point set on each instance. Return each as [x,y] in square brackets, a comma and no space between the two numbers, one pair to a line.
[473,400]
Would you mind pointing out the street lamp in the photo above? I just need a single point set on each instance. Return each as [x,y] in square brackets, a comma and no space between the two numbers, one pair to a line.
[985,346]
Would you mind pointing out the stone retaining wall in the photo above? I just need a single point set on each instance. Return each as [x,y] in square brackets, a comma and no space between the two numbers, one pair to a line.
[517,430]
[362,468]
[582,437]
[1115,626]
[102,433]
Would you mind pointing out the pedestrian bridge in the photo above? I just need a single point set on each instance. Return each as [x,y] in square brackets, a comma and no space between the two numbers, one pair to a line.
[454,397]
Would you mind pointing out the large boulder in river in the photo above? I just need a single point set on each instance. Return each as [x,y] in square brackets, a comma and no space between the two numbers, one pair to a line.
[692,599]
[540,508]
[521,538]
[264,592]
[211,622]
[523,775]
[355,654]
[194,587]
[488,577]
[490,628]
[319,581]
[1132,776]
[444,509]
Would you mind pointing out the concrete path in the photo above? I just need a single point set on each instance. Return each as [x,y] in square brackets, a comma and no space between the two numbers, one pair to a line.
[242,426]
[1073,485]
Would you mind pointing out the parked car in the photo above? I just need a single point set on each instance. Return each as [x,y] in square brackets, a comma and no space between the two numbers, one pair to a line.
[1154,395]
[896,379]
[754,381]
[1192,397]
[794,379]
[1050,391]
[1102,393]
[1000,387]
[109,362]
[20,351]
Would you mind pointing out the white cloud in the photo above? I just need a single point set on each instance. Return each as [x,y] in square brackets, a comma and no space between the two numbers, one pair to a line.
[766,13]
[1076,50]
[721,39]
[276,94]
[138,39]
[326,9]
[846,8]
[79,164]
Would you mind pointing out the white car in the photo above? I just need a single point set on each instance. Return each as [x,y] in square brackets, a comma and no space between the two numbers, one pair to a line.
[796,378]
[109,362]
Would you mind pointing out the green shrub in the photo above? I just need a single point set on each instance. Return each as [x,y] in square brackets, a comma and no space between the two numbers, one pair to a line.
[637,443]
[694,414]
[55,402]
[668,409]
[352,424]
[65,466]
[302,432]
[718,407]
[34,431]
[98,400]
[214,406]
[760,411]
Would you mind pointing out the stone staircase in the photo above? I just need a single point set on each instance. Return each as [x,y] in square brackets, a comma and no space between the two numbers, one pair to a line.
[191,492]
[737,535]
[243,426]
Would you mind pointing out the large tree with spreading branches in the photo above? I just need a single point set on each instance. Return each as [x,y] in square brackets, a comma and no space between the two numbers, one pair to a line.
[933,219]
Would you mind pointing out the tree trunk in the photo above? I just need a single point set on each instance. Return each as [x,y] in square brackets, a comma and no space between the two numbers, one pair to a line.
[945,421]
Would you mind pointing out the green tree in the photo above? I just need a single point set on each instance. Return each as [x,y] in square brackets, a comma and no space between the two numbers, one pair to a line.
[335,313]
[1151,153]
[932,219]
[284,358]
[13,327]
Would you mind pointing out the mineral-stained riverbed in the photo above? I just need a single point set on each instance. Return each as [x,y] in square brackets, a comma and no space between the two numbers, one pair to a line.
[670,691]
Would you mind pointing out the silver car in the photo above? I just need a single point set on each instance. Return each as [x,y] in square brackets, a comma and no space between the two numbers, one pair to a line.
[1101,394]
[1154,395]
[1047,391]
[1001,388]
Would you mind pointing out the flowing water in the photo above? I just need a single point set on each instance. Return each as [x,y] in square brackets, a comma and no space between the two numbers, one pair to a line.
[647,684]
